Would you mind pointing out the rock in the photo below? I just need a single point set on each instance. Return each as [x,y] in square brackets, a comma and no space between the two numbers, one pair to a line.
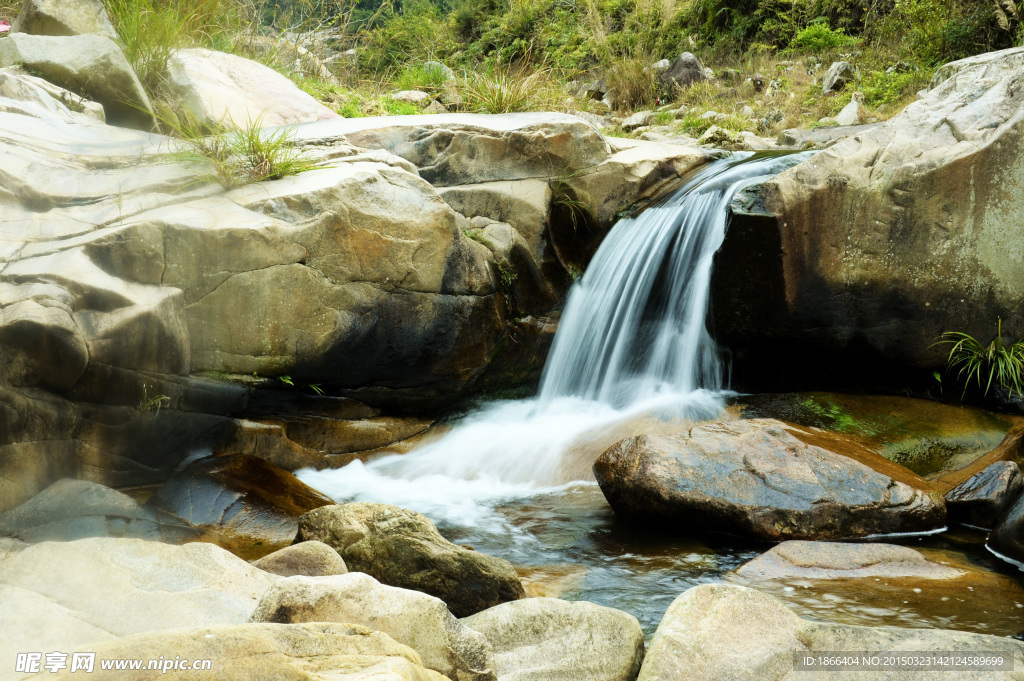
[716,136]
[718,631]
[547,639]
[223,89]
[414,619]
[250,506]
[766,479]
[893,265]
[684,71]
[307,559]
[808,560]
[709,116]
[313,652]
[853,113]
[1007,538]
[838,76]
[435,107]
[660,65]
[984,498]
[638,120]
[62,595]
[76,509]
[403,548]
[417,97]
[820,138]
[747,111]
[89,65]
[27,90]
[438,66]
[64,17]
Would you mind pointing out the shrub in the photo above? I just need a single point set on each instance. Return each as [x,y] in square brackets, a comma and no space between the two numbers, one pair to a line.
[632,84]
[818,37]
[394,107]
[996,362]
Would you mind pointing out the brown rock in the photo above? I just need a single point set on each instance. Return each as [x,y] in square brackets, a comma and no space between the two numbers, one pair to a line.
[403,548]
[833,560]
[309,559]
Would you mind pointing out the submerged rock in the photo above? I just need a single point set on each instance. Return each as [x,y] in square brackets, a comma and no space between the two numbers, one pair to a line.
[62,595]
[547,639]
[984,498]
[414,619]
[404,549]
[306,559]
[243,652]
[718,631]
[248,505]
[832,560]
[767,479]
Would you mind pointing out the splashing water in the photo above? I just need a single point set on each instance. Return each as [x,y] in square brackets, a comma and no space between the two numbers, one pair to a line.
[632,354]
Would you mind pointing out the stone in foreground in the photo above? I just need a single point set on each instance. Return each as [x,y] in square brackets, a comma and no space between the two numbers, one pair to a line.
[547,639]
[716,631]
[835,560]
[403,548]
[766,479]
[414,619]
[245,652]
[62,595]
[983,499]
[308,559]
[1007,539]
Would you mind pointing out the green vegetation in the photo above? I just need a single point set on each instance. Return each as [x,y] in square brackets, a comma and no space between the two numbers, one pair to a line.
[996,362]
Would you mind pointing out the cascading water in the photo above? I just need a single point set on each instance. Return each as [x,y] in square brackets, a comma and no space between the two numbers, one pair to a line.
[632,344]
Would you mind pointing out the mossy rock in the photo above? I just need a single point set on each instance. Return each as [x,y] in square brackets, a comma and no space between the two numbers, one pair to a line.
[926,437]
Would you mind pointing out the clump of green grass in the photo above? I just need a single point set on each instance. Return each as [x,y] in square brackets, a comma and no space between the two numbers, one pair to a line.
[818,37]
[430,79]
[240,154]
[997,362]
[632,84]
[499,90]
[393,107]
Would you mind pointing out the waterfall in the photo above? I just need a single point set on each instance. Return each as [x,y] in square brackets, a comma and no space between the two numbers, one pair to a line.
[632,346]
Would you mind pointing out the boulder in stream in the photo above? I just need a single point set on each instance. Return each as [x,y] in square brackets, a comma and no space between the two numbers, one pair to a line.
[814,560]
[983,499]
[1007,538]
[403,548]
[767,479]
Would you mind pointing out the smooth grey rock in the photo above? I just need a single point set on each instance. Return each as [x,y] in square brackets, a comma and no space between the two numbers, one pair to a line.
[834,560]
[683,72]
[853,113]
[417,97]
[90,65]
[306,559]
[64,17]
[838,76]
[547,639]
[412,618]
[820,138]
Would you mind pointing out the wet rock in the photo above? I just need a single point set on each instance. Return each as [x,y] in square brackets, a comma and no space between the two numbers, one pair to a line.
[837,77]
[719,631]
[77,509]
[547,639]
[224,89]
[1007,538]
[414,619]
[403,548]
[832,560]
[767,479]
[248,505]
[312,652]
[984,498]
[683,72]
[62,595]
[64,17]
[307,559]
[89,65]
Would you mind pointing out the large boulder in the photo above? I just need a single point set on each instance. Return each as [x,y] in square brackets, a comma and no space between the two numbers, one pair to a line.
[306,559]
[251,507]
[64,17]
[683,72]
[221,89]
[718,631]
[312,652]
[885,240]
[403,548]
[90,65]
[766,479]
[547,639]
[838,76]
[984,498]
[414,619]
[62,595]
